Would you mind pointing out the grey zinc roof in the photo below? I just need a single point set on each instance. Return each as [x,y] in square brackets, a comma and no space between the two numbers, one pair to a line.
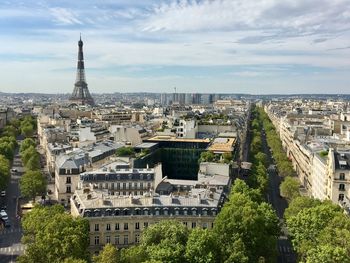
[72,160]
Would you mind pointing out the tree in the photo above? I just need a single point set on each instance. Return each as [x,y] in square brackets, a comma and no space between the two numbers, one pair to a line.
[134,254]
[290,188]
[298,204]
[306,226]
[207,156]
[51,235]
[108,254]
[202,247]
[327,254]
[32,184]
[227,157]
[240,186]
[73,260]
[4,172]
[260,157]
[10,130]
[31,158]
[26,143]
[33,162]
[256,225]
[165,241]
[125,152]
[27,130]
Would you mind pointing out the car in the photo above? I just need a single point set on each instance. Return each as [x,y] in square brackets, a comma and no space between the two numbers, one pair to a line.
[3,215]
[6,222]
[3,193]
[14,170]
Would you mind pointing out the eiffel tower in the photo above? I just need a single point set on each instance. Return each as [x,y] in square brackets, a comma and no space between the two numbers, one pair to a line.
[81,94]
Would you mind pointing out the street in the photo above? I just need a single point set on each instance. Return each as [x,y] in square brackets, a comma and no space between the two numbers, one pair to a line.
[285,249]
[10,238]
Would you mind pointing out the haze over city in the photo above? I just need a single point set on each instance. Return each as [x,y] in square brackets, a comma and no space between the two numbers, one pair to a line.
[198,46]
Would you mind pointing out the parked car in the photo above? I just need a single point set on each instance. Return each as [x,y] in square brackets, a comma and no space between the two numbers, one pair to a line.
[6,222]
[3,193]
[14,170]
[3,215]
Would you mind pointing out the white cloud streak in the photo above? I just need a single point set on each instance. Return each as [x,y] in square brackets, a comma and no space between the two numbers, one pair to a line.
[64,16]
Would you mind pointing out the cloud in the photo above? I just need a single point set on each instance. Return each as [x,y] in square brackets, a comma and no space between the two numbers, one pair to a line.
[298,16]
[64,16]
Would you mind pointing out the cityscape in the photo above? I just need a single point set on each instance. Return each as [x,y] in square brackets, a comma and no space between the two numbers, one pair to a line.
[169,145]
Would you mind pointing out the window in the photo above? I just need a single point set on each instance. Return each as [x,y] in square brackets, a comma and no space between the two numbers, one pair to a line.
[116,226]
[341,197]
[97,240]
[341,187]
[108,239]
[68,180]
[124,185]
[342,176]
[126,239]
[126,226]
[157,212]
[185,223]
[117,240]
[205,225]
[108,227]
[145,224]
[194,224]
[141,185]
[97,227]
[212,224]
[68,189]
[204,212]
[137,238]
[137,225]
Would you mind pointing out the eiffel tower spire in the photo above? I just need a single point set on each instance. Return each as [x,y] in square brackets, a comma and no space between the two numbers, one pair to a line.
[81,94]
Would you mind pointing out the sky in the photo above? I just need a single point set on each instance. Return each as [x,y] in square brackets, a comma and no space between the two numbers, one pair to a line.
[209,46]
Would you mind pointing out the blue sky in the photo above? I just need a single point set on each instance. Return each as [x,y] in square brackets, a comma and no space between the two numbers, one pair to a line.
[235,46]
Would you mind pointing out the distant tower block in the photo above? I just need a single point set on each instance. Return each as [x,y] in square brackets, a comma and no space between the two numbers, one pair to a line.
[81,94]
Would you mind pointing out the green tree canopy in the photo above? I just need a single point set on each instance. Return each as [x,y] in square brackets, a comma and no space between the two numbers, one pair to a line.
[305,226]
[32,183]
[207,156]
[51,235]
[289,188]
[4,172]
[202,247]
[256,225]
[108,254]
[298,204]
[26,143]
[165,241]
[125,152]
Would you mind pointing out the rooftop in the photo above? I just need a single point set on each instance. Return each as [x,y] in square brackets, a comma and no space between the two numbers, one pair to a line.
[221,145]
[174,139]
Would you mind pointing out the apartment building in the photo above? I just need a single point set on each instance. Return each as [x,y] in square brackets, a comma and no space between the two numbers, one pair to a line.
[120,202]
[69,165]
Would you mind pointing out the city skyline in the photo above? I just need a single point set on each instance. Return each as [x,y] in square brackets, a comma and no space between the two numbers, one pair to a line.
[197,46]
